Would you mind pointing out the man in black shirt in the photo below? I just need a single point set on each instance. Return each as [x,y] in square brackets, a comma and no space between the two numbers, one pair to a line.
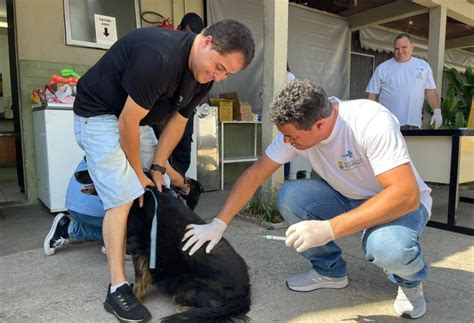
[147,76]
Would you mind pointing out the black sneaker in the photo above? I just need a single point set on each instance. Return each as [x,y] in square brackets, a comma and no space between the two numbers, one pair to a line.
[125,306]
[57,236]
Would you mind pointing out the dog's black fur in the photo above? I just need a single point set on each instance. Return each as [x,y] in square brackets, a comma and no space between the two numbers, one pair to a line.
[195,191]
[216,286]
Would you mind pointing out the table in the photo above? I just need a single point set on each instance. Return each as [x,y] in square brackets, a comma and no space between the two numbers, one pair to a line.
[450,159]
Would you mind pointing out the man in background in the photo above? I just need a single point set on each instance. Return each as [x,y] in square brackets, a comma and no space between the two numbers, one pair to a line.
[191,22]
[402,83]
[180,158]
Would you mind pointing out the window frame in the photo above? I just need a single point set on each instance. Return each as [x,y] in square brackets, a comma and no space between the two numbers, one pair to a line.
[82,43]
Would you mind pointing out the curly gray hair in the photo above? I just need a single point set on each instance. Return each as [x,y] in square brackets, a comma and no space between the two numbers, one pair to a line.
[300,102]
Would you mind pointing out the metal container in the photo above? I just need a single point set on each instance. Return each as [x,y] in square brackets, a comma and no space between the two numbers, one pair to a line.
[208,150]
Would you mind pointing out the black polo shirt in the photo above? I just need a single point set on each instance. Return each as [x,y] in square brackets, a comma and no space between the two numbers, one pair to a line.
[151,66]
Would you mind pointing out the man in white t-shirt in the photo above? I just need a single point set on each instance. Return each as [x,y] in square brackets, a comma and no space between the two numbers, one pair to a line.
[402,84]
[368,184]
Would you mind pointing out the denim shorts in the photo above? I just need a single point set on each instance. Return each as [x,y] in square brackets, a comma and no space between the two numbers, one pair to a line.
[114,178]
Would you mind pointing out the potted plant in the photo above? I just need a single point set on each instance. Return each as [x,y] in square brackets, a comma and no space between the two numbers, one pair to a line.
[456,105]
[262,209]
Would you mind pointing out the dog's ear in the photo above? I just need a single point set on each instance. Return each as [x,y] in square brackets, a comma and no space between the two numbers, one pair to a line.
[198,185]
[192,198]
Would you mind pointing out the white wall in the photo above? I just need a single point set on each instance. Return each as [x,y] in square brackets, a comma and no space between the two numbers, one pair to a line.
[318,49]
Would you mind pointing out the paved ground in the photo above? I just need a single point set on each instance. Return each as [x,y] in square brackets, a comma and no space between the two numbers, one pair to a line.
[71,285]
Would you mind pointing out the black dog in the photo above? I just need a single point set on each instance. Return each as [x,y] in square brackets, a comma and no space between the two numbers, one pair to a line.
[216,286]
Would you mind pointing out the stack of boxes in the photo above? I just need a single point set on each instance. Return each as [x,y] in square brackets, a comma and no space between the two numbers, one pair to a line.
[244,112]
[224,108]
[231,108]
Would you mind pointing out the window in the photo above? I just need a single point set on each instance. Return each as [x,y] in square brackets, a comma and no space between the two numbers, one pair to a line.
[99,23]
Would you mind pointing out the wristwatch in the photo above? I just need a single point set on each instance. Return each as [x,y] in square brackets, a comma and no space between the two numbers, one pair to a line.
[158,168]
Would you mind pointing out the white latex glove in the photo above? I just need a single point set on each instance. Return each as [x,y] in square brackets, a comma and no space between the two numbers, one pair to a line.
[309,234]
[436,118]
[199,234]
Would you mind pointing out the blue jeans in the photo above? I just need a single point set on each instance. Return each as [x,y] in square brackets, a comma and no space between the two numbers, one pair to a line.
[393,246]
[85,227]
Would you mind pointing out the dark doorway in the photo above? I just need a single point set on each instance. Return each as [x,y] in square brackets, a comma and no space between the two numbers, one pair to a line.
[362,67]
[11,159]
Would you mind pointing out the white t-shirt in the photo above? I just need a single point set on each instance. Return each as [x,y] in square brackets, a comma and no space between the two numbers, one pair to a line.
[365,142]
[401,86]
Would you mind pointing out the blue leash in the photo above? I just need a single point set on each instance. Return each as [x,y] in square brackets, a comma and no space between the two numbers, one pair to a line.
[153,233]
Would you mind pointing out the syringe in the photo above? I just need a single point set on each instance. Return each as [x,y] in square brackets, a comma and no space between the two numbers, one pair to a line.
[269,237]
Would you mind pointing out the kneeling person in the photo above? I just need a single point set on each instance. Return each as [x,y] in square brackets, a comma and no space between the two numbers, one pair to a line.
[86,211]
[368,184]
[84,222]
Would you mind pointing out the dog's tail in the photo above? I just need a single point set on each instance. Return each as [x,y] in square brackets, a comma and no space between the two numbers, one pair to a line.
[233,311]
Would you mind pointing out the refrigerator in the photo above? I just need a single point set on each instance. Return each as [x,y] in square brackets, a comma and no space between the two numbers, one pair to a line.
[57,153]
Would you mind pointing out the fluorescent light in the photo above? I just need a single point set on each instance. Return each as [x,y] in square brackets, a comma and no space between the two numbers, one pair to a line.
[3,24]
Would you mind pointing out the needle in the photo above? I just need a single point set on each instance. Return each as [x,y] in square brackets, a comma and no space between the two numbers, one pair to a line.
[269,237]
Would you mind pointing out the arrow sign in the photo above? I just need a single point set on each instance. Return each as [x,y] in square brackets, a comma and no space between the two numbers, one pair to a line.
[105,29]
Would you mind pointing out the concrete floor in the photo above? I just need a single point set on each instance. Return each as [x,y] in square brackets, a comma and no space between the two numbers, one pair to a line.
[71,285]
[9,189]
[465,211]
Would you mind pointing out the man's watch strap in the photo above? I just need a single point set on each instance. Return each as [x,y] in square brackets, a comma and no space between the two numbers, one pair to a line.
[158,168]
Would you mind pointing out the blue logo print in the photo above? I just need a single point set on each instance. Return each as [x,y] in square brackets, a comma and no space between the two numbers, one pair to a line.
[348,154]
[350,163]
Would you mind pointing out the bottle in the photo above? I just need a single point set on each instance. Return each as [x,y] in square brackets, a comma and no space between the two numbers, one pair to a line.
[203,110]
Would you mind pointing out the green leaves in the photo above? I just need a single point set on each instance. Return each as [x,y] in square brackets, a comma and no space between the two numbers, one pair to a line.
[456,106]
[459,120]
[263,207]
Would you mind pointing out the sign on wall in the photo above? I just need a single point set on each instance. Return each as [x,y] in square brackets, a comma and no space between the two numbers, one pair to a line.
[105,29]
[99,23]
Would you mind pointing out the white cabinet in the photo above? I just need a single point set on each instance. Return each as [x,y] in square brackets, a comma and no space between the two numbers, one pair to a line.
[57,153]
[253,156]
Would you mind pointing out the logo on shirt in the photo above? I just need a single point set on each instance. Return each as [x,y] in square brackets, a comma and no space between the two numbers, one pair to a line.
[349,162]
[419,73]
[180,99]
[348,154]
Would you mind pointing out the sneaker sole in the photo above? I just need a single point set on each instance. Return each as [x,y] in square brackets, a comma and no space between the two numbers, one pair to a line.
[412,317]
[408,316]
[47,249]
[323,285]
[109,309]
